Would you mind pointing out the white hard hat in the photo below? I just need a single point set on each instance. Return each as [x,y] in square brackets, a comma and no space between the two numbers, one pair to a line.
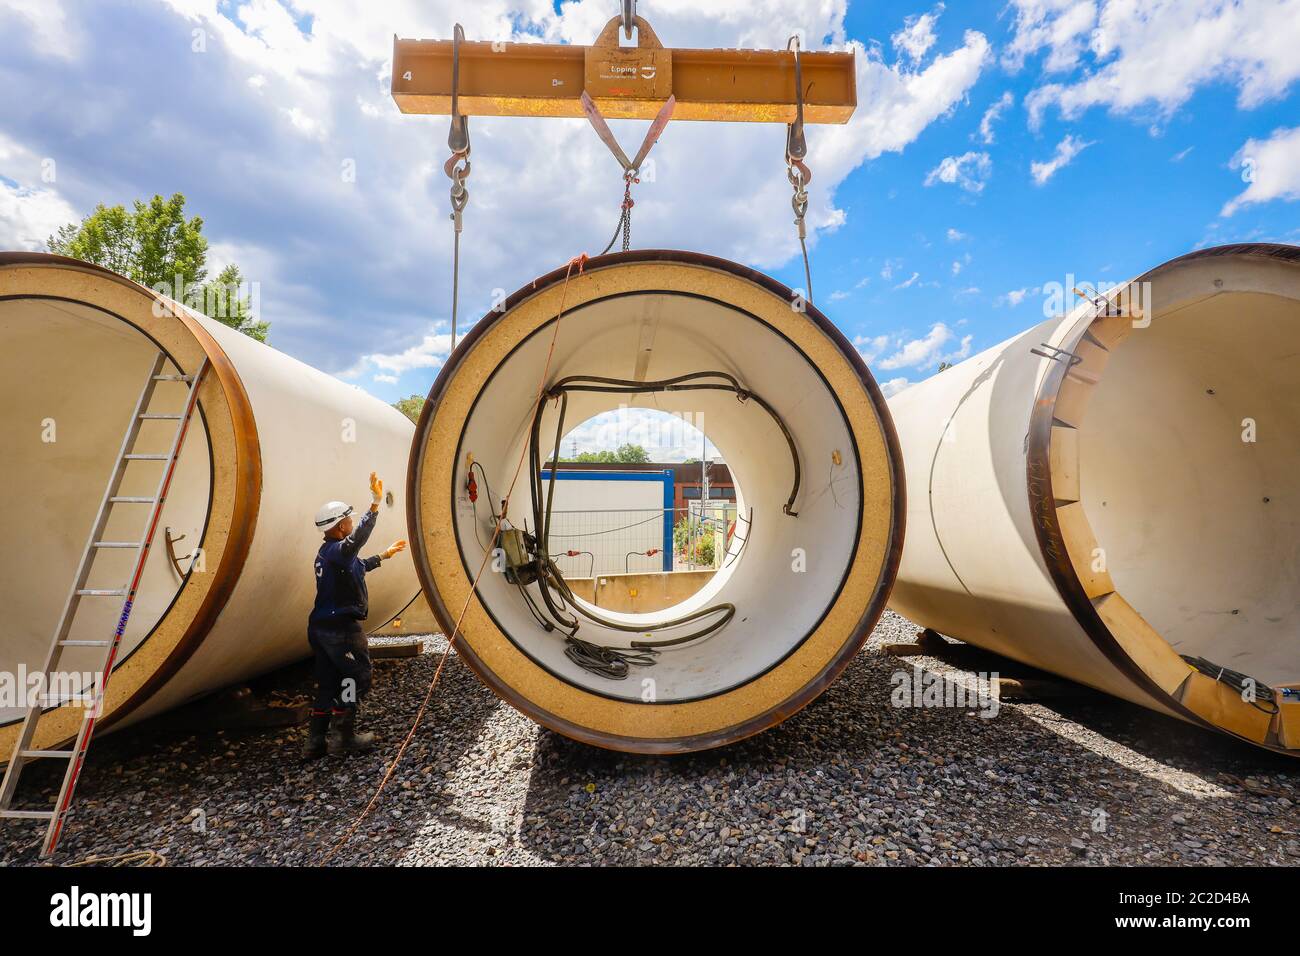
[331,514]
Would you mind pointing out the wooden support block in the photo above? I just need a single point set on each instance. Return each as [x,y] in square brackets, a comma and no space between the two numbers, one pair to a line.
[1028,689]
[1083,550]
[1072,400]
[905,650]
[1093,365]
[932,641]
[1223,706]
[1143,643]
[390,650]
[1288,722]
[1064,452]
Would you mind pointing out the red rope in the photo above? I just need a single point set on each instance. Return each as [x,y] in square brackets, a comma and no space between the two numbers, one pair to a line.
[580,262]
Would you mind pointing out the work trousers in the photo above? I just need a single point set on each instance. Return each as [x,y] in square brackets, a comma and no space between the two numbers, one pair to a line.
[342,666]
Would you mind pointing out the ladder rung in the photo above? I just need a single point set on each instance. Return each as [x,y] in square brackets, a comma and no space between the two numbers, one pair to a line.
[145,457]
[97,592]
[173,378]
[50,753]
[84,643]
[28,814]
[131,500]
[117,544]
[153,416]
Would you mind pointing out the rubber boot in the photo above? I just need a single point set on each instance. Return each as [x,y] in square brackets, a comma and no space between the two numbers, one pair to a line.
[344,739]
[315,747]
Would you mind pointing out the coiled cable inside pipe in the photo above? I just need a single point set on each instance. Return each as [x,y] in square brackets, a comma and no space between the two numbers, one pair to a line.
[559,608]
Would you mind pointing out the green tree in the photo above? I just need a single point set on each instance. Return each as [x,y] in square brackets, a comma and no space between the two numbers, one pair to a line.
[411,406]
[626,455]
[632,454]
[155,245]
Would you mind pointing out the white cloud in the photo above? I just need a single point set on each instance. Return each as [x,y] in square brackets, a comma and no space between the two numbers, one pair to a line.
[839,295]
[871,348]
[928,351]
[1059,26]
[1271,167]
[894,386]
[31,209]
[1157,53]
[307,125]
[1181,155]
[664,435]
[991,116]
[970,171]
[52,34]
[956,236]
[287,92]
[1066,150]
[917,35]
[1016,296]
[430,352]
[908,282]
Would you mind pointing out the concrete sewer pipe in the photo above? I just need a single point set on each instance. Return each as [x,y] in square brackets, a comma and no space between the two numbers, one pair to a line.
[1114,496]
[785,398]
[277,439]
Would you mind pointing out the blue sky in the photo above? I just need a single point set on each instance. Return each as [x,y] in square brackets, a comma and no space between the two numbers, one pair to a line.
[1121,135]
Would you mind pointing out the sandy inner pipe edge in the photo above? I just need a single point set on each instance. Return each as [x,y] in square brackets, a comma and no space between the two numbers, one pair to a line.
[1176,472]
[803,587]
[79,343]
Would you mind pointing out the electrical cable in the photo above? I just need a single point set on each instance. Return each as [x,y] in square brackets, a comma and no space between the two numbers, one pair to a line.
[1242,683]
[556,596]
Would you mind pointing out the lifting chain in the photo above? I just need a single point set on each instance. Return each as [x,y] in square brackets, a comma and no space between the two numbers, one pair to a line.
[457,169]
[797,171]
[631,167]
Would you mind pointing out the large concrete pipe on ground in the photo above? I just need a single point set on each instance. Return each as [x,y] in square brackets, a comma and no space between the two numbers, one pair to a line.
[806,587]
[277,439]
[1114,495]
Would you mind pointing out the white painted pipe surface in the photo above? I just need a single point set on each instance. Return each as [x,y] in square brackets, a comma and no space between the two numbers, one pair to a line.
[1117,490]
[274,440]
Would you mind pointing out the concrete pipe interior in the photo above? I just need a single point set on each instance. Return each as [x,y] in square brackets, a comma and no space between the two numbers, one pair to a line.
[271,438]
[1175,465]
[1206,550]
[70,376]
[1114,495]
[806,589]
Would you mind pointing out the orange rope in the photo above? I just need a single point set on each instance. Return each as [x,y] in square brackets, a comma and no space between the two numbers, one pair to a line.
[580,262]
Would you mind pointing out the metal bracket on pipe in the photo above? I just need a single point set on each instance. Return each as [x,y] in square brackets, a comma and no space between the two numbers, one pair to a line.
[171,551]
[1057,355]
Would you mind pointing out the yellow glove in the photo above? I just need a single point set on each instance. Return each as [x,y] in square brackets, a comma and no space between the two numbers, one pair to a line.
[394,548]
[376,488]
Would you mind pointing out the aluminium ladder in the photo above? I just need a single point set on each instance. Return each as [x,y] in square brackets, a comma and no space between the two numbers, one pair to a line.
[94,699]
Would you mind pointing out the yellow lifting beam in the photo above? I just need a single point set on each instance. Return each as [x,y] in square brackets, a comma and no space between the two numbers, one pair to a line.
[626,82]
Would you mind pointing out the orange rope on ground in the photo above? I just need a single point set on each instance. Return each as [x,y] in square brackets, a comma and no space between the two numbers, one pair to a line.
[580,262]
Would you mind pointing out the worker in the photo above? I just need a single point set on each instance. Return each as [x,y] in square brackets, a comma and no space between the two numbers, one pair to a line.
[334,627]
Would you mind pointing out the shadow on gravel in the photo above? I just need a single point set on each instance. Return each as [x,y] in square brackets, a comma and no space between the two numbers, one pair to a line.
[853,779]
[258,801]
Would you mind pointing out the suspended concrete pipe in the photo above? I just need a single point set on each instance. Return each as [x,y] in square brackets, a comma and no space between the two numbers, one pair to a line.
[1114,496]
[275,438]
[789,404]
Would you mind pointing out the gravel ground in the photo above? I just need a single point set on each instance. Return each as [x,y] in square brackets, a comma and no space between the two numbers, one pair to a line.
[849,780]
